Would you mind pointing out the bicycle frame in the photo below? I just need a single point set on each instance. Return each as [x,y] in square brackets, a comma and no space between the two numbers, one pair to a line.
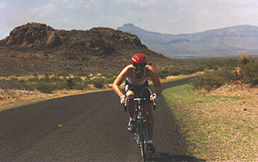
[141,134]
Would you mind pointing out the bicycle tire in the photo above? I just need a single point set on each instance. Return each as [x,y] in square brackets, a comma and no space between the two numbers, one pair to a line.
[142,145]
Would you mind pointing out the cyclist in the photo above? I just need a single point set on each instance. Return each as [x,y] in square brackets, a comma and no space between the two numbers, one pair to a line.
[136,75]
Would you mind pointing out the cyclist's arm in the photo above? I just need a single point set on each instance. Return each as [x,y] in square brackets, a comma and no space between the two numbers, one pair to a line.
[155,79]
[118,81]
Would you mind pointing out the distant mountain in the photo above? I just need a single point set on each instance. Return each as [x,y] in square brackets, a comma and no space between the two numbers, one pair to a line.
[36,48]
[219,42]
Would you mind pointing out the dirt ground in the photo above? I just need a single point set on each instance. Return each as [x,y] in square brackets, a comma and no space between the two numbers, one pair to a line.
[237,121]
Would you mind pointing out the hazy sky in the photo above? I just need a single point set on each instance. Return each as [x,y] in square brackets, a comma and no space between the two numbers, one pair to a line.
[164,16]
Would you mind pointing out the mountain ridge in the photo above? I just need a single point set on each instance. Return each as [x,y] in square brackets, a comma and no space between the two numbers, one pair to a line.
[215,42]
[36,48]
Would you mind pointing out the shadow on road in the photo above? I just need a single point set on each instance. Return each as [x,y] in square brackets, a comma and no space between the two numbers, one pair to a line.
[166,157]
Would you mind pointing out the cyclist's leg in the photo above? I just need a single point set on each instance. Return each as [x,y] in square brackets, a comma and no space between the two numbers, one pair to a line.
[150,122]
[130,94]
[130,106]
[148,112]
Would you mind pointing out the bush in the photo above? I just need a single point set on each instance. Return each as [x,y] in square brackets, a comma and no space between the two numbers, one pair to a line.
[80,84]
[175,72]
[163,74]
[45,87]
[109,77]
[250,73]
[69,83]
[35,79]
[13,84]
[212,80]
[98,82]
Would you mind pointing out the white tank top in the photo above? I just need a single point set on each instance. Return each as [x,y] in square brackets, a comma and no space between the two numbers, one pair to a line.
[137,81]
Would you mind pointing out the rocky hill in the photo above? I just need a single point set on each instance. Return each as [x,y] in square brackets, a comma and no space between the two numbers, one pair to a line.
[219,42]
[36,48]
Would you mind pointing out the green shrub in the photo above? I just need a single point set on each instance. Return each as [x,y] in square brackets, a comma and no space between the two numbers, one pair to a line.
[200,68]
[30,87]
[79,84]
[250,73]
[22,81]
[210,81]
[163,74]
[35,79]
[60,84]
[98,82]
[109,77]
[12,84]
[45,87]
[49,80]
[70,83]
[175,72]
[75,83]
[14,79]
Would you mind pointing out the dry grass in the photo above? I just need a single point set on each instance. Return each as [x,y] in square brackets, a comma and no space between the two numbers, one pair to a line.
[233,125]
[25,77]
[219,125]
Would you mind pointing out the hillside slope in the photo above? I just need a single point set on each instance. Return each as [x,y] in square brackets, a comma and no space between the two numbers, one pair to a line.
[219,42]
[36,48]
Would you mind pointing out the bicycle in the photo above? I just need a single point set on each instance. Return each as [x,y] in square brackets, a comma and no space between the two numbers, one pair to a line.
[141,133]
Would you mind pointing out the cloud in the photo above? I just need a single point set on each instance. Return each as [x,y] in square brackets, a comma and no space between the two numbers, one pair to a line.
[2,6]
[144,3]
[165,16]
[235,2]
[91,4]
[46,9]
[71,4]
[138,4]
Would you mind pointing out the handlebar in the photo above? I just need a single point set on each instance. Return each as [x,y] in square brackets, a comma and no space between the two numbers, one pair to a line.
[141,101]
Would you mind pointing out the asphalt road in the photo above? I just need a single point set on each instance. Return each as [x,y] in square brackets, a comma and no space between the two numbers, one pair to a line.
[89,127]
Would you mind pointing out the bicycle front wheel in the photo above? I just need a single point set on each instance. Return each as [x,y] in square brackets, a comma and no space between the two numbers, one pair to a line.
[142,145]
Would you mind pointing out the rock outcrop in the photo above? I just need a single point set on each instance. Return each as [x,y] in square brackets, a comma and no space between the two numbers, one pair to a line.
[29,35]
[36,48]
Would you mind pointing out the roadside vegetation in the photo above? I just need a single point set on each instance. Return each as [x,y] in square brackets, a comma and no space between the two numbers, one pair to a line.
[50,83]
[200,64]
[215,127]
[243,71]
[175,72]
[218,71]
[219,126]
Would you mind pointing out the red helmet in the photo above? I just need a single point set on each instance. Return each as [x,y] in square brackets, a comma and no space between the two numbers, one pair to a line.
[139,58]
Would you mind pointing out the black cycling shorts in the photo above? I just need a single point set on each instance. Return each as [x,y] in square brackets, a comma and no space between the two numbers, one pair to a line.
[138,90]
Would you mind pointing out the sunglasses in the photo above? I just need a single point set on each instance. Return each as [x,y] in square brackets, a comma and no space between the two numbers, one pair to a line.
[139,64]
